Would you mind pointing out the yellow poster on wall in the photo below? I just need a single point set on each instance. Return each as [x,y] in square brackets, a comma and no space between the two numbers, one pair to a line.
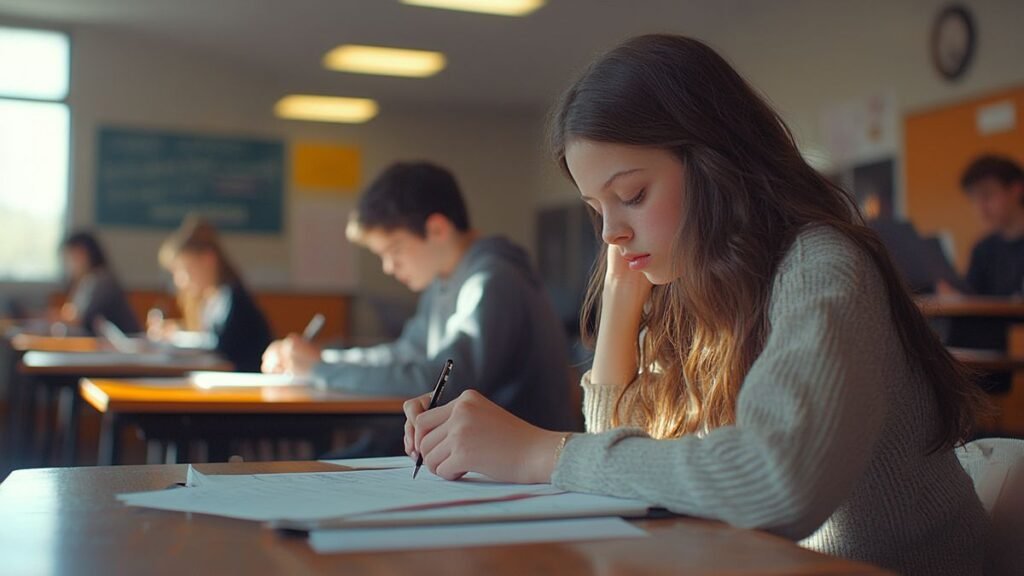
[321,169]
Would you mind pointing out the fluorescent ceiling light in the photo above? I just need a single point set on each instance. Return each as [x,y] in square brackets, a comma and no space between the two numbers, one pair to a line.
[326,108]
[500,7]
[384,61]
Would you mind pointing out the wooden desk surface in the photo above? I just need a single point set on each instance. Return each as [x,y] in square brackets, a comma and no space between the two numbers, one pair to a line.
[110,363]
[988,360]
[27,342]
[179,395]
[950,306]
[66,521]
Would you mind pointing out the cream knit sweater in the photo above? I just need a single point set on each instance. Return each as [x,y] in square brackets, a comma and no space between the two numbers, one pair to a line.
[829,444]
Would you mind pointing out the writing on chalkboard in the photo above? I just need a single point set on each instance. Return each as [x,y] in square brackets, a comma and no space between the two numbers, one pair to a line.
[149,179]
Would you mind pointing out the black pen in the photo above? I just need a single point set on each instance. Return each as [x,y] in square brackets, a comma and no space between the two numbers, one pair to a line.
[434,399]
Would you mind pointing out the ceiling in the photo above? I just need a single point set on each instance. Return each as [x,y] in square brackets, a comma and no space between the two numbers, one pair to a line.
[492,60]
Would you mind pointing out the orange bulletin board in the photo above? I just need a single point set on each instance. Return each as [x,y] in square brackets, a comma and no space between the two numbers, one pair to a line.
[939,143]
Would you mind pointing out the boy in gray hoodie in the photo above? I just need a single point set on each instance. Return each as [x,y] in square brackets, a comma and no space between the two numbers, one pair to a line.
[482,305]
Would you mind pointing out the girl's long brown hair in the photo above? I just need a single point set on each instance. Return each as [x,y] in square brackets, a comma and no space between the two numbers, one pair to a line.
[748,194]
[196,235]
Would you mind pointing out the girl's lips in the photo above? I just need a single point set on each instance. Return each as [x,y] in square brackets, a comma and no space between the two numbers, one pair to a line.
[639,261]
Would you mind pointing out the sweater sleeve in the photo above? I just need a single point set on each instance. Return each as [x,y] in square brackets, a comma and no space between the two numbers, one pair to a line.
[808,414]
[482,337]
[599,401]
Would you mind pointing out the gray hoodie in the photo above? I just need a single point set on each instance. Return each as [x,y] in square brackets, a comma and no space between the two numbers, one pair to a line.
[492,316]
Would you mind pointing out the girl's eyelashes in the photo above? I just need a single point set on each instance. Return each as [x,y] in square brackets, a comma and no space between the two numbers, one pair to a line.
[636,199]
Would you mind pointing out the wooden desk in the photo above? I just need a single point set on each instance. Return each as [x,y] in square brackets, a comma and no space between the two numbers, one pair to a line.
[66,521]
[20,401]
[117,364]
[987,360]
[26,342]
[973,306]
[56,375]
[176,409]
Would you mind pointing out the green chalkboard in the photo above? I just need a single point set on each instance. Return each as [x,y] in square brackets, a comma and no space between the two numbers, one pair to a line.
[148,179]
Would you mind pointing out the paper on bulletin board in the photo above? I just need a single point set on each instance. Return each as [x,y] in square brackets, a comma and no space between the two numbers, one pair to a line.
[320,169]
[321,257]
[860,130]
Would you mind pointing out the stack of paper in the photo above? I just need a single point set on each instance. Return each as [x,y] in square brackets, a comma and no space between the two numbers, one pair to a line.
[377,509]
[321,495]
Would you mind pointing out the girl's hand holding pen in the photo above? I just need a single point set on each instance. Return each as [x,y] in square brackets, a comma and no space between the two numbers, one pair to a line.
[473,434]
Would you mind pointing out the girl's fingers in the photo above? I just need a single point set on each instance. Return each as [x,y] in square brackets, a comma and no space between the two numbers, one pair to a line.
[407,439]
[437,455]
[435,437]
[413,407]
[427,421]
[452,467]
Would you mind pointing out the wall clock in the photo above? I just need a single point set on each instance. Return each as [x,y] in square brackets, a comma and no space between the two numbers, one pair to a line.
[953,41]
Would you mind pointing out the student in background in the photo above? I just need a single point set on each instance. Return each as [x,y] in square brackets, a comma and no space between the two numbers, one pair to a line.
[995,186]
[93,290]
[482,305]
[212,297]
[784,379]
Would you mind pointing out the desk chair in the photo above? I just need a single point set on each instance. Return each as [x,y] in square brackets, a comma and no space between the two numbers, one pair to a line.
[996,466]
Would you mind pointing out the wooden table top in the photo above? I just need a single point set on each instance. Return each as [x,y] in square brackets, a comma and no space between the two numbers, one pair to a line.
[111,363]
[66,521]
[180,395]
[27,342]
[988,360]
[949,306]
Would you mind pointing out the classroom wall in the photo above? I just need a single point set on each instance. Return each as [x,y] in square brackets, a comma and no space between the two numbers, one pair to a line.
[806,55]
[803,54]
[835,51]
[122,80]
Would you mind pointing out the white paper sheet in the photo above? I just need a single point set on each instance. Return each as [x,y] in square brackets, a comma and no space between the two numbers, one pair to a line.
[379,463]
[565,505]
[422,537]
[207,380]
[319,495]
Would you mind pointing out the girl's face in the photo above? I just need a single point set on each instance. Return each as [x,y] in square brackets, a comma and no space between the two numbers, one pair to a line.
[638,193]
[76,262]
[194,272]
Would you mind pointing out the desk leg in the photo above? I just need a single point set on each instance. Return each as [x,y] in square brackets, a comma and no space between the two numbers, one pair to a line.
[110,440]
[44,454]
[16,437]
[70,406]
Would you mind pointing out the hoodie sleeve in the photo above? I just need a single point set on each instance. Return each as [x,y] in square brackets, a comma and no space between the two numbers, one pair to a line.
[411,344]
[481,337]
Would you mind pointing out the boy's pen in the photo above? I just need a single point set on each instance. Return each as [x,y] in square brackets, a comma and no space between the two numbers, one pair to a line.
[434,399]
[313,328]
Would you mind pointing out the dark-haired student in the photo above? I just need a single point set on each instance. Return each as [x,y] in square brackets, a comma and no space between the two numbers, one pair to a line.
[482,305]
[995,186]
[784,378]
[212,297]
[93,289]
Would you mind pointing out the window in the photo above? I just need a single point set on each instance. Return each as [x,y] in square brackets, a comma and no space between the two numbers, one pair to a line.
[34,148]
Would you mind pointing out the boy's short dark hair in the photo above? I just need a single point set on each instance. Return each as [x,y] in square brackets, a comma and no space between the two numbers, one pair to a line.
[405,194]
[1002,168]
